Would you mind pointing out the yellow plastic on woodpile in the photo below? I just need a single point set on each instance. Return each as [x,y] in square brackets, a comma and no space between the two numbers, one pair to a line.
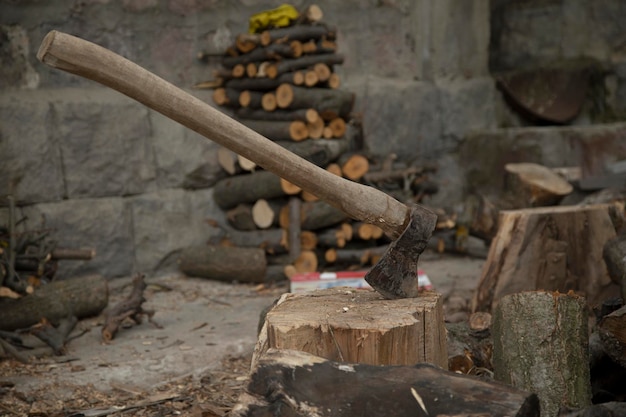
[281,16]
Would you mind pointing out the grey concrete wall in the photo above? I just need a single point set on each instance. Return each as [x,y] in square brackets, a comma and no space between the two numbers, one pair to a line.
[99,170]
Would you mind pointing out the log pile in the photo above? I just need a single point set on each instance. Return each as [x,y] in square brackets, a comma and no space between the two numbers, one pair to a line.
[282,83]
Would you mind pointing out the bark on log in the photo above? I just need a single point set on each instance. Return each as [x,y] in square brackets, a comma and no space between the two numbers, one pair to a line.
[265,84]
[355,257]
[279,130]
[299,33]
[227,97]
[612,330]
[357,326]
[251,99]
[329,103]
[227,159]
[271,52]
[294,230]
[318,152]
[332,237]
[224,263]
[549,248]
[275,69]
[291,383]
[541,345]
[315,215]
[272,241]
[533,185]
[303,115]
[240,217]
[353,165]
[247,188]
[82,297]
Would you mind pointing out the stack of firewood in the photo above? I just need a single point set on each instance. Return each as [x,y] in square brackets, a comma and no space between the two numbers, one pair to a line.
[281,82]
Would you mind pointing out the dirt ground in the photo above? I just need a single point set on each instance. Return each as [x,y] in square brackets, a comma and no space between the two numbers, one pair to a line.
[195,363]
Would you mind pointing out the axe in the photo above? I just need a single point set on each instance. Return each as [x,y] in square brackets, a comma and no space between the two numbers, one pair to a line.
[409,227]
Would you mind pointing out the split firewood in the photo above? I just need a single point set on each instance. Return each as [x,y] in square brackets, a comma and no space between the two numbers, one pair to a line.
[227,97]
[279,130]
[550,248]
[294,383]
[248,188]
[329,103]
[224,263]
[299,33]
[81,296]
[272,241]
[130,308]
[612,331]
[303,115]
[240,217]
[540,340]
[533,185]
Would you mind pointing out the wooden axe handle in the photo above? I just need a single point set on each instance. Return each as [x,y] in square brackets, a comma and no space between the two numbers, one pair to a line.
[80,57]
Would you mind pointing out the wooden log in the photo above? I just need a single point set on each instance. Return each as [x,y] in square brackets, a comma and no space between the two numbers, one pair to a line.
[251,99]
[550,248]
[272,241]
[353,165]
[540,344]
[274,51]
[311,14]
[306,261]
[227,97]
[294,230]
[319,152]
[279,130]
[321,64]
[311,78]
[533,185]
[308,240]
[315,215]
[263,215]
[614,255]
[298,33]
[224,263]
[358,326]
[315,128]
[329,103]
[319,46]
[73,254]
[81,297]
[612,330]
[332,237]
[268,102]
[240,217]
[247,188]
[227,159]
[246,164]
[292,383]
[238,71]
[265,84]
[354,257]
[337,127]
[303,115]
[334,81]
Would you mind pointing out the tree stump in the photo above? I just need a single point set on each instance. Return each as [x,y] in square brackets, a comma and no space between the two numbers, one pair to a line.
[533,185]
[360,326]
[548,248]
[540,344]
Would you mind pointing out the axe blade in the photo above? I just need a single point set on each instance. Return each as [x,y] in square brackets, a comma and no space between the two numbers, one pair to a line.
[395,275]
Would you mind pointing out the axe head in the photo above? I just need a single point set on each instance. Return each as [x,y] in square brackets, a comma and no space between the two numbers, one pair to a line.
[395,274]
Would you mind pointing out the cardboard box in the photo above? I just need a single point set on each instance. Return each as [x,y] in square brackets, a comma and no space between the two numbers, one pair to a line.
[311,281]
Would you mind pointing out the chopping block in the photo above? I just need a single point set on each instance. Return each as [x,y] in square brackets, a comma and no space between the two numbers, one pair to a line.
[352,325]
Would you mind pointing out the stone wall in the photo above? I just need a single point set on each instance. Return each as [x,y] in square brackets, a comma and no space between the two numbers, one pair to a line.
[99,170]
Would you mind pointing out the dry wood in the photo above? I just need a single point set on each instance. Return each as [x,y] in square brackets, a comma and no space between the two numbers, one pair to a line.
[265,84]
[295,247]
[239,71]
[246,164]
[550,248]
[308,240]
[366,231]
[227,97]
[271,52]
[311,78]
[357,326]
[353,165]
[319,46]
[252,70]
[224,263]
[304,115]
[289,188]
[82,297]
[315,215]
[272,241]
[74,254]
[322,70]
[318,152]
[292,383]
[614,255]
[533,185]
[315,128]
[247,188]
[332,237]
[227,159]
[540,343]
[263,214]
[55,337]
[268,102]
[306,261]
[240,217]
[354,257]
[334,81]
[311,14]
[329,103]
[298,33]
[287,65]
[251,99]
[128,309]
[612,330]
[307,196]
[337,127]
[246,42]
[279,130]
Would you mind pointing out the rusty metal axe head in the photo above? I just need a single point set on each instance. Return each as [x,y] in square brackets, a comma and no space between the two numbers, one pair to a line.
[395,275]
